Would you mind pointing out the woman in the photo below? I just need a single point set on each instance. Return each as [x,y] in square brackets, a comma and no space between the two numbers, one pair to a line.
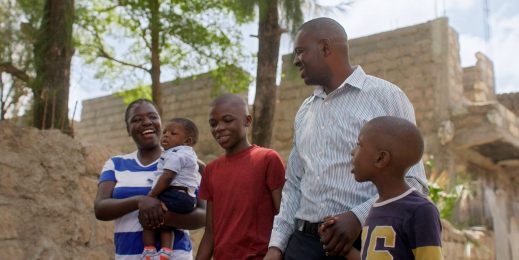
[124,184]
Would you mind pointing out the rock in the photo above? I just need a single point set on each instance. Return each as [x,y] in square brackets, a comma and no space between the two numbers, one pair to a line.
[47,188]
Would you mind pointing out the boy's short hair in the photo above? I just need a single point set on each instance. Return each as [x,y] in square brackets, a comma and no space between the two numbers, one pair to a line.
[229,98]
[399,136]
[189,126]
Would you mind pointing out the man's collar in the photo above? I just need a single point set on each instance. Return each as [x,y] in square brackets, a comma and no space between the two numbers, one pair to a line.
[356,80]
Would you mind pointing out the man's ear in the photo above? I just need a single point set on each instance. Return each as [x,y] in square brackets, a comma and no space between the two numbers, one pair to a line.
[325,47]
[383,159]
[248,120]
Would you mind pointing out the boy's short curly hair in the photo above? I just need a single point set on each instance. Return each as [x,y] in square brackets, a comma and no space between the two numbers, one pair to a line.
[189,126]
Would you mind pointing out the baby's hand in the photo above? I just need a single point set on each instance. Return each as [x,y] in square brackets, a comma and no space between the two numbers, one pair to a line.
[327,222]
[164,206]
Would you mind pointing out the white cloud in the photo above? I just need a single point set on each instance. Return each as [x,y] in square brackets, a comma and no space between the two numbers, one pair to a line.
[504,52]
[469,45]
[458,4]
[372,16]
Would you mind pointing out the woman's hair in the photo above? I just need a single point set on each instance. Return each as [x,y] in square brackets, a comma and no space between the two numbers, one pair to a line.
[189,126]
[134,103]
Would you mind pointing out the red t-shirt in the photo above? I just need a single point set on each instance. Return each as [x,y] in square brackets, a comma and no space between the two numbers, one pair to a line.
[239,187]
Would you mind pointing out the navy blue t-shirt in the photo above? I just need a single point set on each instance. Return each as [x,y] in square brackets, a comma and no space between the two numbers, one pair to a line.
[405,227]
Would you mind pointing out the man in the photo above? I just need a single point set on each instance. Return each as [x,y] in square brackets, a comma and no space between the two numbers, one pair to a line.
[319,183]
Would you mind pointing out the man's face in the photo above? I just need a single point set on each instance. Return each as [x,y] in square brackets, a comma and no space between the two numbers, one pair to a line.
[308,57]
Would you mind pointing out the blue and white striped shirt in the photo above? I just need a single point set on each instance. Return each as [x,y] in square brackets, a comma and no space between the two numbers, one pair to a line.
[131,179]
[319,180]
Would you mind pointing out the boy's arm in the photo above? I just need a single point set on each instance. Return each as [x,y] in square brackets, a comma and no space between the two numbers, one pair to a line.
[353,254]
[163,182]
[205,249]
[426,220]
[276,198]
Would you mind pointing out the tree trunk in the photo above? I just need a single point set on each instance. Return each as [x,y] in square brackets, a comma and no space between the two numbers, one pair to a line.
[2,101]
[269,34]
[53,51]
[155,54]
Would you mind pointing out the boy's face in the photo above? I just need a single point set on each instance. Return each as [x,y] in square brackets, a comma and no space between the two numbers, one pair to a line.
[364,157]
[173,135]
[229,124]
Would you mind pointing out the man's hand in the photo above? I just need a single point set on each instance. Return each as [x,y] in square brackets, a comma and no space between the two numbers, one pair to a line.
[338,233]
[151,212]
[273,254]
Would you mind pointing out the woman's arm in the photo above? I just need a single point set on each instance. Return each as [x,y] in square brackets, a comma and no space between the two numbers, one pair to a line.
[107,208]
[205,249]
[194,220]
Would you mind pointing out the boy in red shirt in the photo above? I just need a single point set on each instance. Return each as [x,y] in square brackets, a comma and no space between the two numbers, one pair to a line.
[242,188]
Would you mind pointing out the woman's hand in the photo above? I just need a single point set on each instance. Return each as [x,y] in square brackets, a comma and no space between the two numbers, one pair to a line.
[151,212]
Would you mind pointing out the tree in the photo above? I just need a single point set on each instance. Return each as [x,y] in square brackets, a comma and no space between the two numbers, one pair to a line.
[17,27]
[53,51]
[269,36]
[177,35]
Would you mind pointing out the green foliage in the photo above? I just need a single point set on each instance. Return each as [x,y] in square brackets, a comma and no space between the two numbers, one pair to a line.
[443,194]
[18,27]
[230,79]
[291,13]
[193,37]
[445,200]
[133,94]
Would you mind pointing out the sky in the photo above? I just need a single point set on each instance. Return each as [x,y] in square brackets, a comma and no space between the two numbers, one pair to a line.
[494,33]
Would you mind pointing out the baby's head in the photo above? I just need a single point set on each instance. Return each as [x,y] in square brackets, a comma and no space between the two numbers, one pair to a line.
[386,144]
[179,131]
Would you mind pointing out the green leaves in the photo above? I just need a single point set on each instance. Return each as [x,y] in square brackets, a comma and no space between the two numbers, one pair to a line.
[133,94]
[193,37]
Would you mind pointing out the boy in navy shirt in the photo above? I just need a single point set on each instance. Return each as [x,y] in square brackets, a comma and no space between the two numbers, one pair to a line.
[402,224]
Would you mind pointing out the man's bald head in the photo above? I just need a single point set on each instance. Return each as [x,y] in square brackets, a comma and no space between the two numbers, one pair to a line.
[399,137]
[325,27]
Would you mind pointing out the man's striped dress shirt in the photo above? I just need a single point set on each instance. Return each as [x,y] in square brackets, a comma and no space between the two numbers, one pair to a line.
[319,180]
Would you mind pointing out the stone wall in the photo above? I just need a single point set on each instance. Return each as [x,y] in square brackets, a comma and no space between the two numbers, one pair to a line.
[478,80]
[510,101]
[189,97]
[47,186]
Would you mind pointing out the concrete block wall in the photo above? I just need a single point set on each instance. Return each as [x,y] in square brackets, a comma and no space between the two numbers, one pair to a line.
[510,101]
[102,119]
[478,80]
[102,122]
[423,60]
